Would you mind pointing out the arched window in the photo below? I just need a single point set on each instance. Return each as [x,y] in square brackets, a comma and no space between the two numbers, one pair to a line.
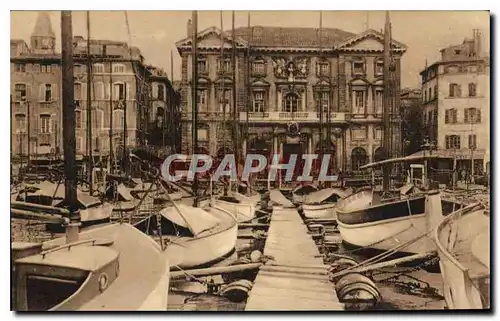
[358,158]
[160,113]
[378,154]
[98,119]
[291,103]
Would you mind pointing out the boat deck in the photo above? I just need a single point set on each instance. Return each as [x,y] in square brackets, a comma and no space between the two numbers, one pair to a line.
[298,279]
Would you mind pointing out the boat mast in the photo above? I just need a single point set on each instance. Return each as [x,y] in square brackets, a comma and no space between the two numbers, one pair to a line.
[194,92]
[235,124]
[247,78]
[320,106]
[387,99]
[69,123]
[89,108]
[111,164]
[222,95]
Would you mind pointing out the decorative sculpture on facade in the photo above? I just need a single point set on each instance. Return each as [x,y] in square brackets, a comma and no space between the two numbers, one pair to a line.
[290,69]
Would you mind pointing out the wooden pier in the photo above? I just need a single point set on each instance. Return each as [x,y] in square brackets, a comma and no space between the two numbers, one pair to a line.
[296,279]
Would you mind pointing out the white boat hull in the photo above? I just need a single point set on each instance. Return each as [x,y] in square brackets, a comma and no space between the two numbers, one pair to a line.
[320,211]
[242,212]
[388,234]
[204,250]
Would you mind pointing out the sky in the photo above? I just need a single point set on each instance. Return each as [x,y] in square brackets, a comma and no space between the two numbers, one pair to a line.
[156,32]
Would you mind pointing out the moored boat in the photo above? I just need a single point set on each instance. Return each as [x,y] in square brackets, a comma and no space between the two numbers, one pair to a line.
[463,243]
[301,192]
[91,274]
[321,204]
[241,206]
[193,236]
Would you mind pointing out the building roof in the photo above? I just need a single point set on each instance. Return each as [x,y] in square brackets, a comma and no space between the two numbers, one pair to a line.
[43,26]
[291,37]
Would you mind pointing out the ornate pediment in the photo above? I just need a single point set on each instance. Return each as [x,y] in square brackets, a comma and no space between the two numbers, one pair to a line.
[260,83]
[291,68]
[369,41]
[359,82]
[210,38]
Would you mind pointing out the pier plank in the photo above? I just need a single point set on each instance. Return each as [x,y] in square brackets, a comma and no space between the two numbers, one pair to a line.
[289,244]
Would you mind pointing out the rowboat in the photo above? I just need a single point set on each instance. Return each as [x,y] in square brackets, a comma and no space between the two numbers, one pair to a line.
[194,236]
[300,193]
[238,204]
[463,243]
[113,267]
[321,204]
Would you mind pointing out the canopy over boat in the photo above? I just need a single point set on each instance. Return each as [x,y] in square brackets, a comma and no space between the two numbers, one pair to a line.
[411,158]
[195,219]
[125,193]
[324,194]
[52,190]
[304,189]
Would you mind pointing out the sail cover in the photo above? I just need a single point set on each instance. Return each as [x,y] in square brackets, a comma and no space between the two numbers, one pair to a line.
[195,219]
[322,195]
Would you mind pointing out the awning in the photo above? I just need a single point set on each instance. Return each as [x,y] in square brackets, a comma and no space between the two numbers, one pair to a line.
[463,153]
[195,219]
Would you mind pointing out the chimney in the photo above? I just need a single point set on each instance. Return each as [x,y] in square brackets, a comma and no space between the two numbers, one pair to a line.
[477,42]
[189,28]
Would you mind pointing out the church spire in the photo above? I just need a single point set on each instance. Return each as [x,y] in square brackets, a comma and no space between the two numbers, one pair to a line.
[43,38]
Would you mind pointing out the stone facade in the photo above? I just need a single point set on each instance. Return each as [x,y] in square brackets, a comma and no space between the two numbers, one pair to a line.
[456,100]
[291,72]
[36,84]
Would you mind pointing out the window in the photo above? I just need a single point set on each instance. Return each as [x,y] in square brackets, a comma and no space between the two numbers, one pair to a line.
[44,124]
[324,101]
[472,115]
[359,102]
[20,92]
[291,103]
[457,51]
[472,89]
[377,133]
[78,119]
[425,96]
[19,67]
[224,100]
[258,67]
[118,68]
[430,93]
[45,68]
[358,68]
[119,91]
[379,102]
[435,91]
[161,92]
[78,91]
[46,93]
[98,68]
[20,123]
[98,90]
[454,90]
[224,65]
[452,141]
[201,98]
[202,66]
[450,116]
[203,134]
[358,158]
[36,68]
[323,68]
[472,142]
[379,67]
[258,101]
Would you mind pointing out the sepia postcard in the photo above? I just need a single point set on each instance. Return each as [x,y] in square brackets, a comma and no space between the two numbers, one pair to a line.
[250,160]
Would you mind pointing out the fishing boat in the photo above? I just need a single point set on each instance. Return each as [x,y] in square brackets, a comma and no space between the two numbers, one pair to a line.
[322,203]
[114,267]
[196,236]
[238,204]
[463,243]
[301,193]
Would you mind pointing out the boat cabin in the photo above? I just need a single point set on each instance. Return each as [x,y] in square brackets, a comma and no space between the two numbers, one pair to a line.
[63,278]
